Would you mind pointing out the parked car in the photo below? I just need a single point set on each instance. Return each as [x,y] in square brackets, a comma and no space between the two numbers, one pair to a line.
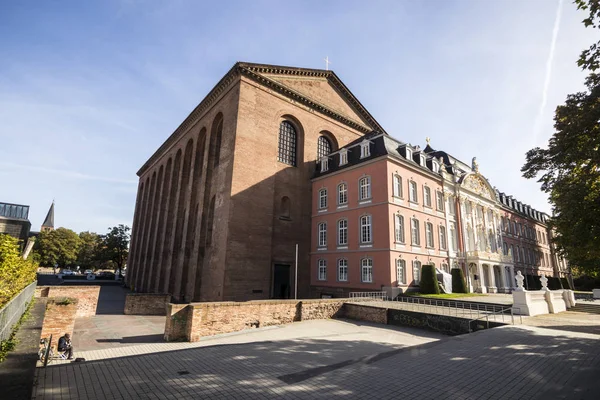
[105,275]
[88,271]
[67,272]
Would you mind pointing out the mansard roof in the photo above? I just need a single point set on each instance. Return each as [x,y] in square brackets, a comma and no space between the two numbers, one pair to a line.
[263,74]
[380,144]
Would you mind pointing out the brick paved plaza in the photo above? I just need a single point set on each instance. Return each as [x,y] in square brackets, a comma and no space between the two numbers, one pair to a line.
[338,359]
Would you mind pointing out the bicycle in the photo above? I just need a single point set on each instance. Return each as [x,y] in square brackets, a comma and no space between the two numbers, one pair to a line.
[46,354]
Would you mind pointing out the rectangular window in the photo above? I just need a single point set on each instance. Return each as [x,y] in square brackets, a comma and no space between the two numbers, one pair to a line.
[399,228]
[401,272]
[323,234]
[342,194]
[397,186]
[322,270]
[343,270]
[365,150]
[414,231]
[365,188]
[439,196]
[365,229]
[451,206]
[323,198]
[343,157]
[412,188]
[343,232]
[367,270]
[417,272]
[324,164]
[443,243]
[429,234]
[453,237]
[427,196]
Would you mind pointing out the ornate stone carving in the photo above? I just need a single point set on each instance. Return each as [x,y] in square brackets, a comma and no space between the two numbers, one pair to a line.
[519,278]
[475,184]
[544,282]
[475,164]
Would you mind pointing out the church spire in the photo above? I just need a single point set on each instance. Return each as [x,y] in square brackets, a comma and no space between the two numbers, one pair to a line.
[48,224]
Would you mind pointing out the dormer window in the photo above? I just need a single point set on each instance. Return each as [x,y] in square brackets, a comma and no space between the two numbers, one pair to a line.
[324,164]
[435,167]
[408,154]
[422,159]
[343,157]
[365,149]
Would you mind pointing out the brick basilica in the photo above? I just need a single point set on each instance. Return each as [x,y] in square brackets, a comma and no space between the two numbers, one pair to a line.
[225,199]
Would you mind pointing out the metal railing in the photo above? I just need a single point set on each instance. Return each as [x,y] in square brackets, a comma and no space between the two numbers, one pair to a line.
[369,295]
[459,309]
[502,312]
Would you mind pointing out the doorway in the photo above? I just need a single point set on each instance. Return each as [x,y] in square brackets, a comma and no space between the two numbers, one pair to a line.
[281,281]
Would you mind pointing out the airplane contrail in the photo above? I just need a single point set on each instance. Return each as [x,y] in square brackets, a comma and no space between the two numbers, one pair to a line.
[538,120]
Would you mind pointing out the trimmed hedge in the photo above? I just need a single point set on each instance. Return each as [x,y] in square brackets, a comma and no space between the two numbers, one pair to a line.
[554,283]
[586,283]
[429,283]
[459,285]
[533,282]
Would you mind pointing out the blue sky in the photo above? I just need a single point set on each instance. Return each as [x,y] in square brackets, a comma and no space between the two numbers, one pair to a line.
[88,90]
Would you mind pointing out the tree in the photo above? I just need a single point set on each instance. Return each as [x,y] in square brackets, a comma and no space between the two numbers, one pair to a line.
[58,247]
[88,256]
[115,246]
[458,281]
[570,165]
[15,273]
[429,283]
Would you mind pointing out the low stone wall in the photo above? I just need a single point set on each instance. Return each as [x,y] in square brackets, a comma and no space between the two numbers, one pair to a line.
[190,322]
[366,313]
[87,296]
[146,304]
[59,318]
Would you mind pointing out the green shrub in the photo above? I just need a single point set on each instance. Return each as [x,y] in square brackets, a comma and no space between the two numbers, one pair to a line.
[554,283]
[458,281]
[15,273]
[429,283]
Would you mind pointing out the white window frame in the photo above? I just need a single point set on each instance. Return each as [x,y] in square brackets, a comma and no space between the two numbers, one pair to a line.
[343,157]
[414,227]
[324,164]
[342,193]
[443,238]
[453,237]
[429,241]
[342,266]
[323,198]
[412,192]
[366,229]
[439,200]
[426,196]
[397,185]
[399,228]
[365,149]
[416,264]
[342,232]
[366,270]
[400,271]
[409,154]
[322,270]
[451,205]
[364,188]
[322,234]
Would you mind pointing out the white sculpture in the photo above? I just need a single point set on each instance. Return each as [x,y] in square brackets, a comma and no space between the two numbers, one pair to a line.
[519,278]
[544,282]
[475,165]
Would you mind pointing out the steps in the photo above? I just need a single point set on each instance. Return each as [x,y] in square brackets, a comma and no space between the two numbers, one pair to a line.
[589,308]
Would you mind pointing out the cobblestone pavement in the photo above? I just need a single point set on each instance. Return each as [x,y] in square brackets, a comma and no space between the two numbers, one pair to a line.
[568,321]
[340,359]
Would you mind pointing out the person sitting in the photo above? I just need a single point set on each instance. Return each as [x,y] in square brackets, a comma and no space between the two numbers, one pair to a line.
[64,345]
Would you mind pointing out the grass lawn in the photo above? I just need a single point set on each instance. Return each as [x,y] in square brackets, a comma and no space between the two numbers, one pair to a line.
[444,295]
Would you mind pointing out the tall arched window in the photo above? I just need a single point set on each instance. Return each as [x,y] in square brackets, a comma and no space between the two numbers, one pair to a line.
[399,228]
[324,147]
[416,272]
[287,143]
[415,234]
[401,272]
[322,234]
[343,232]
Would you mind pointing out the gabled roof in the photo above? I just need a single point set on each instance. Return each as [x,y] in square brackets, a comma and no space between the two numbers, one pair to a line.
[264,74]
[49,221]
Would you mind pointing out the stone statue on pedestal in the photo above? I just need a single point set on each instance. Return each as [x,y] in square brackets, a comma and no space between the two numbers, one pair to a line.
[519,278]
[544,282]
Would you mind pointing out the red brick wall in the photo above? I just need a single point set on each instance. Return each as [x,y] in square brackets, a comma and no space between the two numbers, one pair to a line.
[87,296]
[146,304]
[193,321]
[59,318]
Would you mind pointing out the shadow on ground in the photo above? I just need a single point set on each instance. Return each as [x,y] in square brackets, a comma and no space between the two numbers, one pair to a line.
[507,362]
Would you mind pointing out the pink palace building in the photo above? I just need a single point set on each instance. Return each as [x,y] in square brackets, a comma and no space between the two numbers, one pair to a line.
[383,208]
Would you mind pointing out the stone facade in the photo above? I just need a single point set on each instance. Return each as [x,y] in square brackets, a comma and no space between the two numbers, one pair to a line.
[363,312]
[146,304]
[86,296]
[209,224]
